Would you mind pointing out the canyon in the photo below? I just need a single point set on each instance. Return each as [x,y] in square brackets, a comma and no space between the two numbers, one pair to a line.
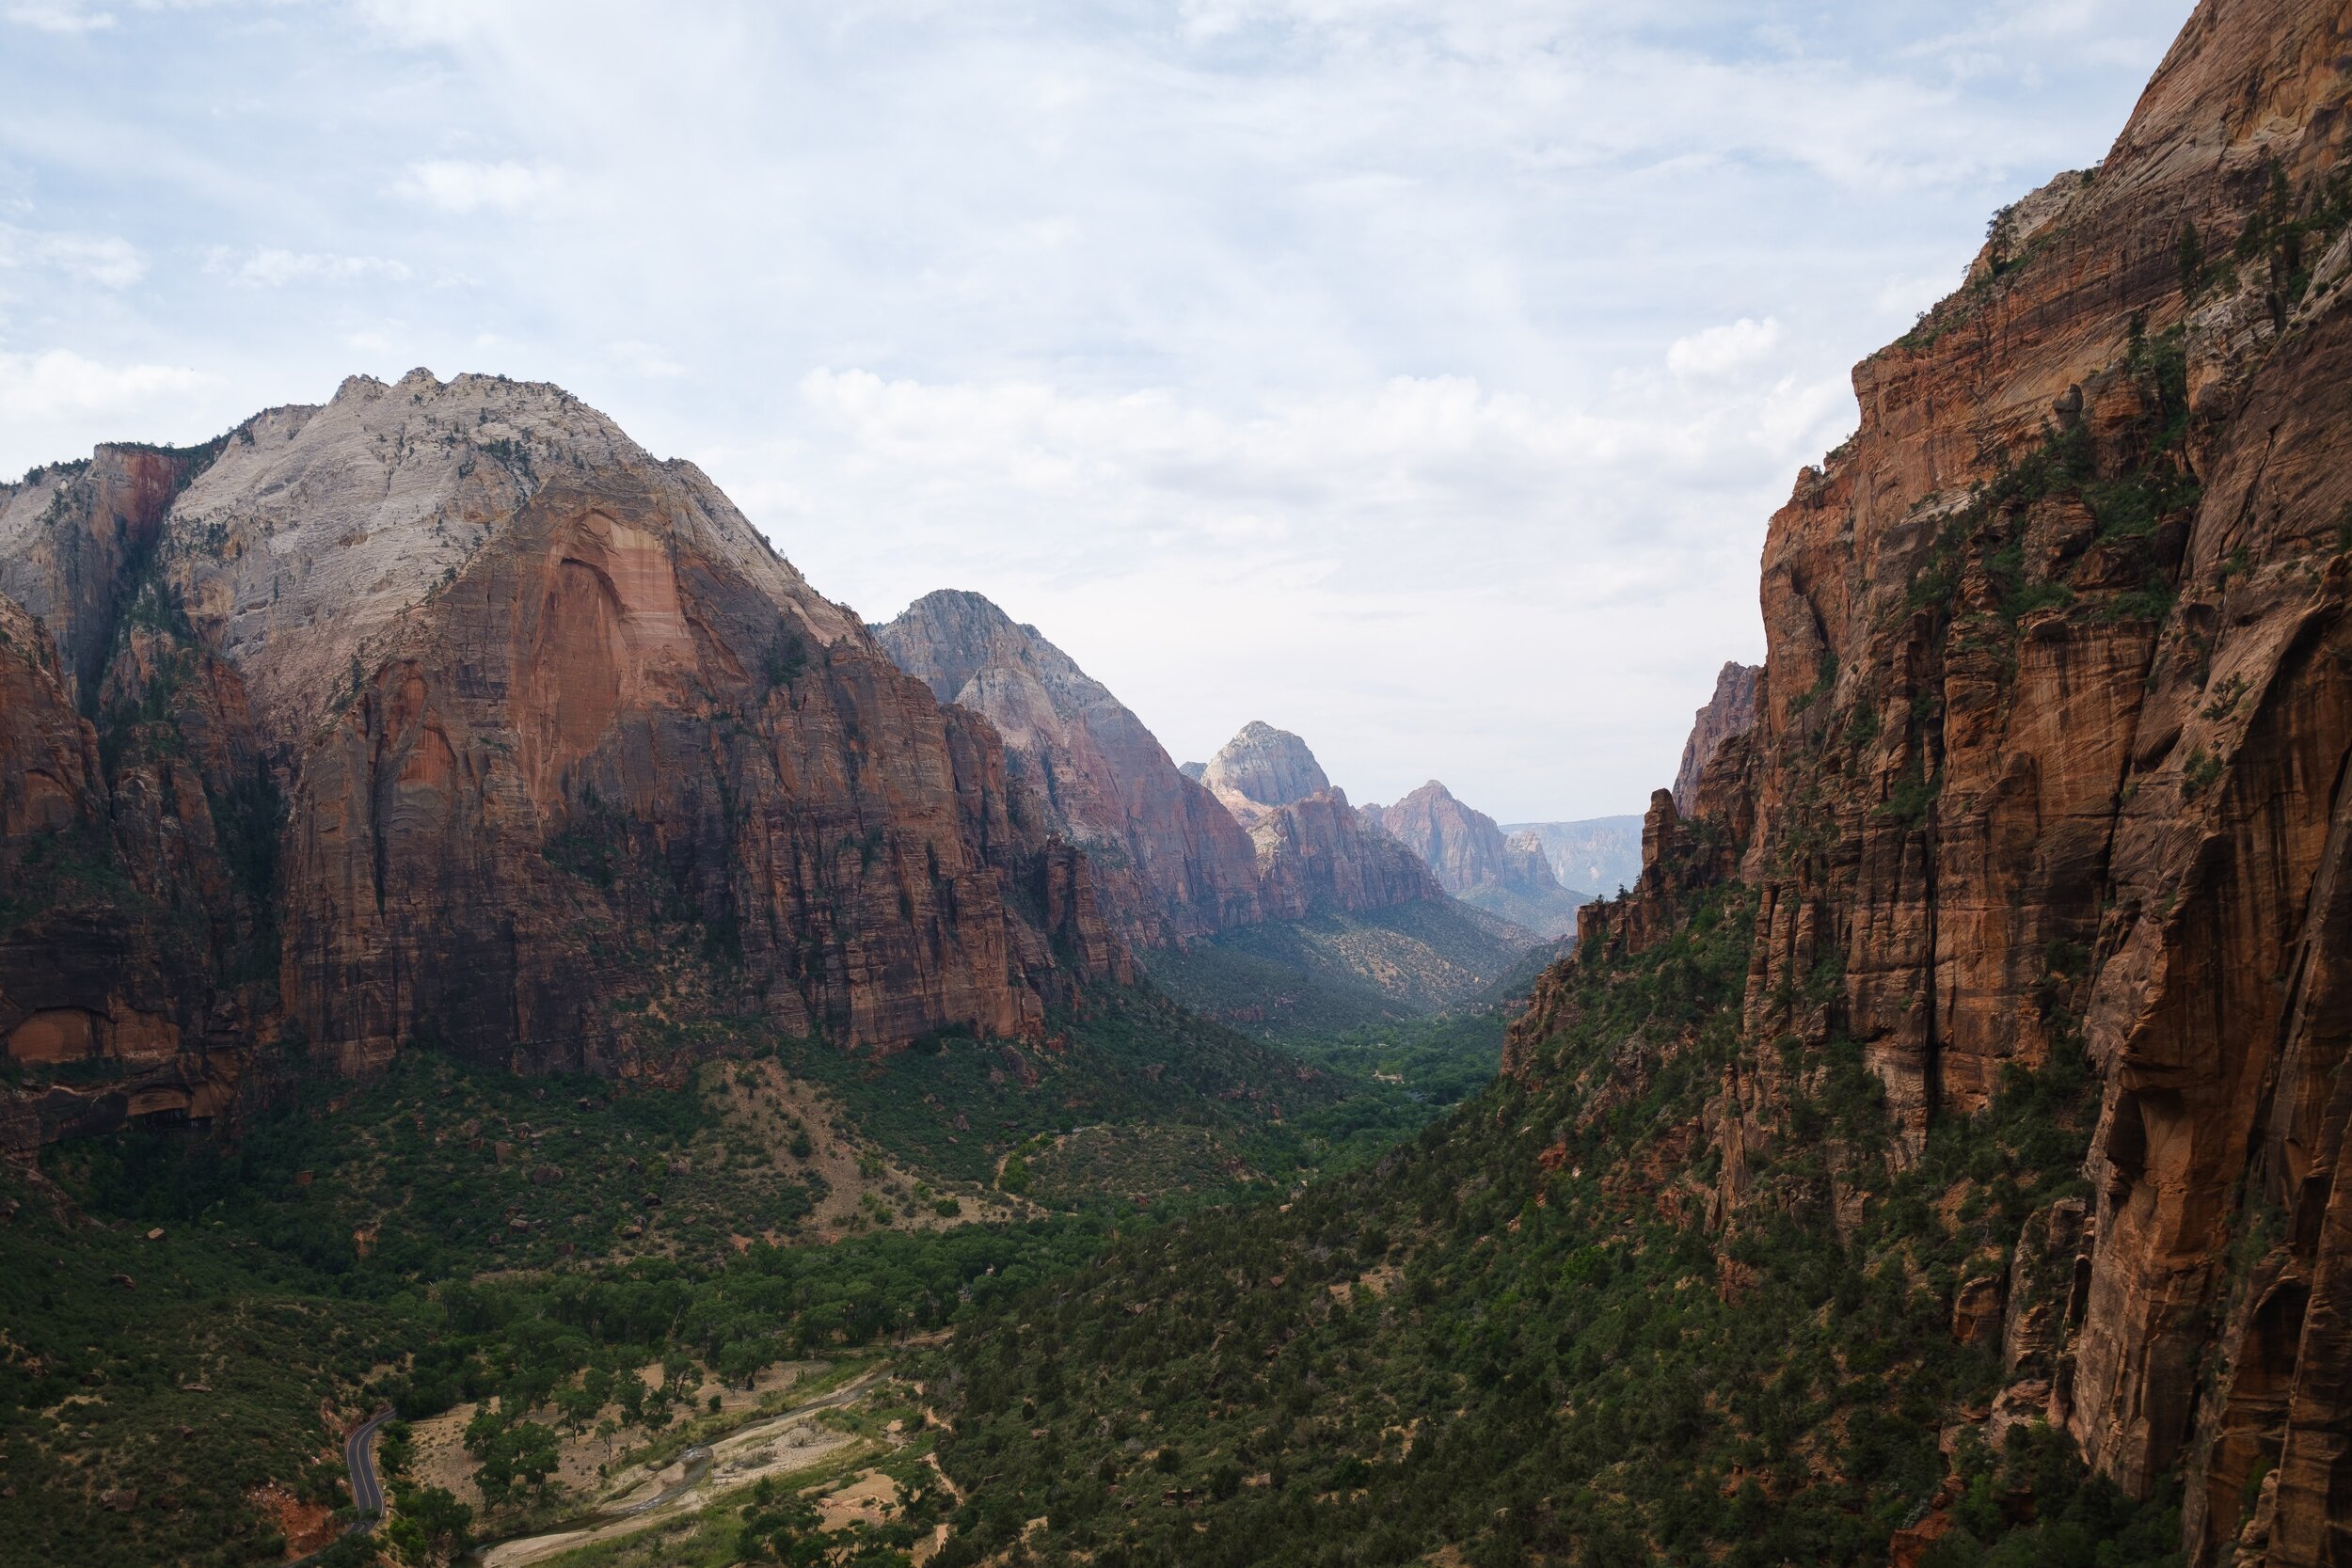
[1929,1155]
[542,749]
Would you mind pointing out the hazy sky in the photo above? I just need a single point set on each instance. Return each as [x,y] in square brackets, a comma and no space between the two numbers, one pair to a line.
[1415,376]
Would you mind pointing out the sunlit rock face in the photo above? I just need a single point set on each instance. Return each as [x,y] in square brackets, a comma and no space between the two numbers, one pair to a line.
[1170,861]
[1473,859]
[2050,754]
[566,754]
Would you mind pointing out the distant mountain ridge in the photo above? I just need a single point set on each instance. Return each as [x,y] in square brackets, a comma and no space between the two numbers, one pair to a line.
[1170,860]
[1475,862]
[1596,854]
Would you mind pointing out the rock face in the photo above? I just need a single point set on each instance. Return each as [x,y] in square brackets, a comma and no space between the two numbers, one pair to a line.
[1474,861]
[1313,852]
[1262,767]
[1170,861]
[2051,756]
[564,749]
[1730,711]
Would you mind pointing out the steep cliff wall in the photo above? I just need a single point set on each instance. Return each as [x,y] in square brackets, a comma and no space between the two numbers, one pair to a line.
[1170,861]
[570,759]
[2050,765]
[1730,711]
[1315,852]
[1262,767]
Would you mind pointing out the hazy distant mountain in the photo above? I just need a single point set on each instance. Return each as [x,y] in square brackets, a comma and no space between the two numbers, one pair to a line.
[1598,854]
[1476,863]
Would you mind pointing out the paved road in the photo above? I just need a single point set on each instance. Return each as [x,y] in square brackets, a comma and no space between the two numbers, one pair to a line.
[367,1491]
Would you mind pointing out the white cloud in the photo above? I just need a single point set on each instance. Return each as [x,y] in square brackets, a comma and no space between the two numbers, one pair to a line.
[1420,374]
[59,16]
[272,268]
[455,185]
[1722,351]
[110,262]
[62,381]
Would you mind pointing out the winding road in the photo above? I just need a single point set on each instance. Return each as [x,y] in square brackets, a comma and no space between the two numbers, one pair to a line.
[367,1491]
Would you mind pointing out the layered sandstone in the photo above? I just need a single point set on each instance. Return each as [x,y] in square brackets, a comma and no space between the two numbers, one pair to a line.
[2051,753]
[1730,711]
[568,756]
[1170,863]
[1473,859]
[1314,853]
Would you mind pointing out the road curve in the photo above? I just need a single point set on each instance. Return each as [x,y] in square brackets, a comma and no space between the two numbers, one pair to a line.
[367,1491]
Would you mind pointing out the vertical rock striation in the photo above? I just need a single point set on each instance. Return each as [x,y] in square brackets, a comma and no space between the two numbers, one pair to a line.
[1730,711]
[567,759]
[2050,759]
[1170,861]
[1315,852]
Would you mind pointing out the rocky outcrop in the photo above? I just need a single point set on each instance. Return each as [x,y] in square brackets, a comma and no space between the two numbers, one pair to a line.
[1262,767]
[1170,861]
[1473,861]
[1313,852]
[74,539]
[136,934]
[569,758]
[2050,757]
[1730,711]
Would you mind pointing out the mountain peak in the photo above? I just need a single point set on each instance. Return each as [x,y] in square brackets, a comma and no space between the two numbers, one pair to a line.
[1265,767]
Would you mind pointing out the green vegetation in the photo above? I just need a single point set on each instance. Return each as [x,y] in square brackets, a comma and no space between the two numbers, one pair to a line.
[1332,973]
[1522,1335]
[954,1103]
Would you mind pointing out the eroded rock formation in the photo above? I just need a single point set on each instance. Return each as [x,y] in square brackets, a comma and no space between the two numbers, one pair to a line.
[1170,861]
[1262,767]
[1313,852]
[568,757]
[1730,711]
[2051,759]
[1473,859]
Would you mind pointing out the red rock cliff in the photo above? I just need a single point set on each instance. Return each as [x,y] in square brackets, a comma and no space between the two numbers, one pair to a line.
[2052,754]
[1170,861]
[1730,711]
[569,757]
[1473,861]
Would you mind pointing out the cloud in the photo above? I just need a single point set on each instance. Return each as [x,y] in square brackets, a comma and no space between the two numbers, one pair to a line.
[272,268]
[63,382]
[1422,373]
[110,262]
[59,16]
[455,185]
[1722,351]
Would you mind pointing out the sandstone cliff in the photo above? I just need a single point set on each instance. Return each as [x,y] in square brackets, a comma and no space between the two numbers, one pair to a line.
[1475,862]
[1730,711]
[2050,764]
[1314,853]
[1170,861]
[568,757]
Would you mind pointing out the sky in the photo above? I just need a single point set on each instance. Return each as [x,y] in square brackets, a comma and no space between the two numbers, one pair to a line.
[1416,376]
